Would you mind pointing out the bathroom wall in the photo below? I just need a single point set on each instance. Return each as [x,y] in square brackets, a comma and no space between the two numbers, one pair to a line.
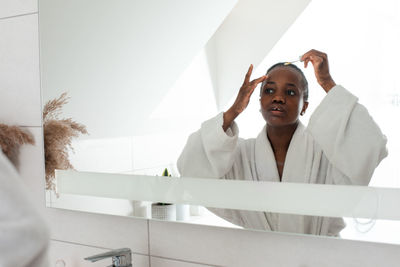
[76,234]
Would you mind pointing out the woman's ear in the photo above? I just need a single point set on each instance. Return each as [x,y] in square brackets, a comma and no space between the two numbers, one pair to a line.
[303,110]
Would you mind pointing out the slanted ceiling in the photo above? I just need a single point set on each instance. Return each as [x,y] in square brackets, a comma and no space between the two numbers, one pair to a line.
[118,59]
[245,37]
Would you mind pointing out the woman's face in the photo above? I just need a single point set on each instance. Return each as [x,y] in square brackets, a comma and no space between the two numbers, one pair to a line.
[281,97]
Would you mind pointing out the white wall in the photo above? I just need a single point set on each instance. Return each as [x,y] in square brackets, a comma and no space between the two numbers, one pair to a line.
[130,52]
[76,234]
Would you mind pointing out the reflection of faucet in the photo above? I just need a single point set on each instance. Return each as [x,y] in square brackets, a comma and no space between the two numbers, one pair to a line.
[120,257]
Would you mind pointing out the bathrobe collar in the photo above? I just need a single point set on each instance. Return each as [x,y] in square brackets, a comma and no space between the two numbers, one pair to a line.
[265,158]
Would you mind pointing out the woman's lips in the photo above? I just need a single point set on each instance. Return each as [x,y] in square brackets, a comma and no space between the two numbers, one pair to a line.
[277,110]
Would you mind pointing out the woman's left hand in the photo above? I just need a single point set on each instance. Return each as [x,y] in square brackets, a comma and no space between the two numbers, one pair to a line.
[321,68]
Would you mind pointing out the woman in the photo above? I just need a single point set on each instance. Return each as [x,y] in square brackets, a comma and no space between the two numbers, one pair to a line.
[341,144]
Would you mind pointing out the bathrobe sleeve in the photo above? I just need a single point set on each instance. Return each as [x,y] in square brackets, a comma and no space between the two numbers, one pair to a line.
[348,136]
[209,152]
[23,234]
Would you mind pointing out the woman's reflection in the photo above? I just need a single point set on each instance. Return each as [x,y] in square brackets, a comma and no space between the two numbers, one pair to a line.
[340,145]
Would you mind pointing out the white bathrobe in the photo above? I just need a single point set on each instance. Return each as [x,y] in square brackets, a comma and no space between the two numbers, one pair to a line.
[341,145]
[23,235]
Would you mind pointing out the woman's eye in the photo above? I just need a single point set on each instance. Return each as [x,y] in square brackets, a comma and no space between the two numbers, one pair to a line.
[269,91]
[291,92]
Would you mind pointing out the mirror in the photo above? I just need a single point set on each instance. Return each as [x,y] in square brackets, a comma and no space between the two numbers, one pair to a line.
[142,76]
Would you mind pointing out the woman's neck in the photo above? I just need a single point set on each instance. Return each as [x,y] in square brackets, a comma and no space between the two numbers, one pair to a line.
[280,137]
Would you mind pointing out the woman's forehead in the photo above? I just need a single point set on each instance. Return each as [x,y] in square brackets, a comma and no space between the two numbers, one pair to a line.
[286,73]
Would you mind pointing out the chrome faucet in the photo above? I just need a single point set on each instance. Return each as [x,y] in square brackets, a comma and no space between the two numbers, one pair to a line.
[120,257]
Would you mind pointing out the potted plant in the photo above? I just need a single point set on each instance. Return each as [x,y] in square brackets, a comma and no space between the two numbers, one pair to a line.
[164,211]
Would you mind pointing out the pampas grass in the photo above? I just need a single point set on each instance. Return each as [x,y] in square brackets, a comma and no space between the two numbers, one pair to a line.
[58,135]
[11,138]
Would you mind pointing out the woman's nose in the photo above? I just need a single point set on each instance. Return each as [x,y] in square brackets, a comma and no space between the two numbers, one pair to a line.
[279,99]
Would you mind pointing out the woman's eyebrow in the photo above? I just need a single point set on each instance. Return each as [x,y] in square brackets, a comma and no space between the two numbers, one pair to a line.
[287,84]
[292,84]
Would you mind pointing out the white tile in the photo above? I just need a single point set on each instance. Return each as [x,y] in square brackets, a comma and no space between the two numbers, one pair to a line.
[140,260]
[162,262]
[229,247]
[19,68]
[73,256]
[17,7]
[99,230]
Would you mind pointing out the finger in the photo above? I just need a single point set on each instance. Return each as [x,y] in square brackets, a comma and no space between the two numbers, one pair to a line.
[320,54]
[259,80]
[307,55]
[319,57]
[310,52]
[316,61]
[314,52]
[306,62]
[248,74]
[303,57]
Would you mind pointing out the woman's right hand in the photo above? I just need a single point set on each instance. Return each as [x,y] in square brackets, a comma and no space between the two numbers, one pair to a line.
[242,99]
[321,68]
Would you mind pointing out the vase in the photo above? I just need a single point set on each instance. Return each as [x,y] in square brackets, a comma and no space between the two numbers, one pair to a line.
[163,211]
[182,212]
[141,209]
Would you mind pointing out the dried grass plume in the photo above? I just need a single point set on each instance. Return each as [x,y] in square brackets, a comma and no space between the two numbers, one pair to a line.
[11,138]
[58,135]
